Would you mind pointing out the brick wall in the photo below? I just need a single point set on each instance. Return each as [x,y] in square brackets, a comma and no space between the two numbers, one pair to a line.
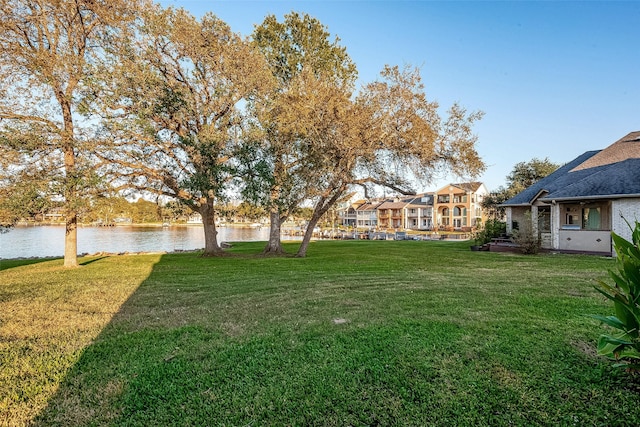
[622,209]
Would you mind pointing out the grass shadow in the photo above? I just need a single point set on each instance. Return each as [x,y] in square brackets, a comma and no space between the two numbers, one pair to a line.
[6,264]
[92,260]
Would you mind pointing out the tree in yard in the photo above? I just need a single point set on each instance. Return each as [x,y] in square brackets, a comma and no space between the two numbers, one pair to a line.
[181,85]
[48,51]
[522,176]
[389,135]
[298,51]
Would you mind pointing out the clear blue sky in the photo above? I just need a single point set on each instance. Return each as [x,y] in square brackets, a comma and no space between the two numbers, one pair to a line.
[554,78]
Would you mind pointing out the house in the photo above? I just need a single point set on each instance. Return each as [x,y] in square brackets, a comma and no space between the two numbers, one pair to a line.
[367,214]
[418,213]
[391,214]
[458,206]
[347,213]
[578,206]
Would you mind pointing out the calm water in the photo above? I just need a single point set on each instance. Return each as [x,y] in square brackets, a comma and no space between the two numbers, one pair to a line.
[44,241]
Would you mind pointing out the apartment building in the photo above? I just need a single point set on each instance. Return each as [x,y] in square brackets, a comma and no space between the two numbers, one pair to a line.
[458,206]
[418,213]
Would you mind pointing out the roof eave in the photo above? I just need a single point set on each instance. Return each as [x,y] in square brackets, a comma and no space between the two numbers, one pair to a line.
[594,197]
[514,205]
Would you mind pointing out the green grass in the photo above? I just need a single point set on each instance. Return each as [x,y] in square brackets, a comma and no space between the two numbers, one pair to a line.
[357,333]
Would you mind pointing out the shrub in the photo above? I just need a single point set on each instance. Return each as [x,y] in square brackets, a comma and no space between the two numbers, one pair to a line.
[624,344]
[492,228]
[526,237]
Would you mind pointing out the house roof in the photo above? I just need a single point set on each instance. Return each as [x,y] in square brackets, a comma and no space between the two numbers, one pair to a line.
[391,204]
[627,147]
[369,206]
[621,179]
[465,186]
[421,200]
[469,186]
[612,172]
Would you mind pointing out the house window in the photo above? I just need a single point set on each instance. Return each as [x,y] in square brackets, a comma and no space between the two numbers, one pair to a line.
[587,216]
[456,211]
[572,219]
[591,219]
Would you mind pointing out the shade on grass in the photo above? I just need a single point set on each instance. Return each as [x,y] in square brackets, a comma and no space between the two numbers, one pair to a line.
[358,333]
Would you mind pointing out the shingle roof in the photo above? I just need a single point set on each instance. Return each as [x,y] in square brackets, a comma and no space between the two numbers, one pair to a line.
[369,206]
[594,174]
[627,147]
[469,186]
[393,205]
[617,179]
[418,200]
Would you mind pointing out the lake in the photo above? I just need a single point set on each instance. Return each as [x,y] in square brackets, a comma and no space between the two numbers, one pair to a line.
[48,241]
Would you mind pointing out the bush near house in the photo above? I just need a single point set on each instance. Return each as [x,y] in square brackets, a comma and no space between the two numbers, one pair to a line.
[492,228]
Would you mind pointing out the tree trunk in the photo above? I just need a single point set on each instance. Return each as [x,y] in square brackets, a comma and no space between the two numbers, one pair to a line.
[71,191]
[320,209]
[211,247]
[308,233]
[71,239]
[274,245]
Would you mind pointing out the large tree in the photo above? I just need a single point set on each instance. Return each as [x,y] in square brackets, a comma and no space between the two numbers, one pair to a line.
[48,52]
[182,84]
[298,43]
[522,176]
[390,136]
[525,174]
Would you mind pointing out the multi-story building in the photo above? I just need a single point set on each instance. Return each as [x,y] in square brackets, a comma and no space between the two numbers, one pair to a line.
[418,213]
[347,213]
[391,214]
[453,207]
[367,214]
[458,206]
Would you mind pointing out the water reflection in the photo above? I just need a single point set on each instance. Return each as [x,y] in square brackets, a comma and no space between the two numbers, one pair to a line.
[43,241]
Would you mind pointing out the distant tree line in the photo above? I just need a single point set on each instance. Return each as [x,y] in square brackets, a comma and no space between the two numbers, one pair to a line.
[125,96]
[116,209]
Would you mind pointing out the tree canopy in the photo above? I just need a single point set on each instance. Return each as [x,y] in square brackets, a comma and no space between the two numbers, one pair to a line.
[299,52]
[180,83]
[49,50]
[117,96]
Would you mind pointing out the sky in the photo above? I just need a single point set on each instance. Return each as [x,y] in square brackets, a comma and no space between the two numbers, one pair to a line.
[554,78]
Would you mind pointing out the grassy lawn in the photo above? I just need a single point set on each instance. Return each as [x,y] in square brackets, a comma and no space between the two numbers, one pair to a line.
[359,333]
